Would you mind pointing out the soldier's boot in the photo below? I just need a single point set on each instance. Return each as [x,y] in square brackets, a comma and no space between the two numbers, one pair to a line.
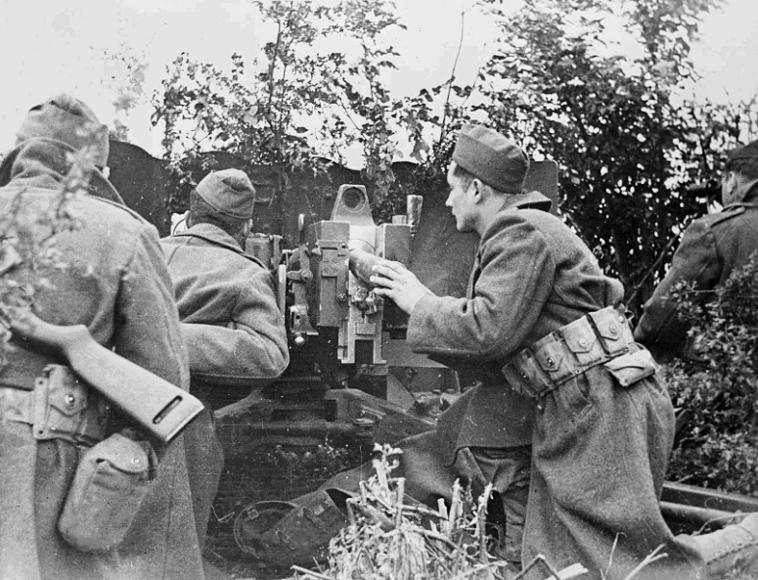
[731,550]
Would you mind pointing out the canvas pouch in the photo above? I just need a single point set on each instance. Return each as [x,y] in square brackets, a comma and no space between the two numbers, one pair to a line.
[111,481]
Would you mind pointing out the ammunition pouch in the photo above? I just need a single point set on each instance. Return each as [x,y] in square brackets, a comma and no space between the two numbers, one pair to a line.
[629,368]
[59,407]
[603,337]
[111,481]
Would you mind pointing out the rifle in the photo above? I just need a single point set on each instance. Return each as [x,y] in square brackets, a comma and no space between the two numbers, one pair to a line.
[157,406]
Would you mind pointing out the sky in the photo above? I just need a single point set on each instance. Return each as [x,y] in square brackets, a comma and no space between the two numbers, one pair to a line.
[77,46]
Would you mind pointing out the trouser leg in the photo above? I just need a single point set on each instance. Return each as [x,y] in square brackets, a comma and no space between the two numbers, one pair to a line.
[205,460]
[428,479]
[508,469]
[731,552]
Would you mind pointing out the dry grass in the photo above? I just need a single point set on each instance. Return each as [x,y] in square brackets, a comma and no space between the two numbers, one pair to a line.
[391,536]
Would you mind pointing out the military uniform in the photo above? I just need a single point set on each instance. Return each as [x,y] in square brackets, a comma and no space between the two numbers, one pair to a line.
[231,324]
[116,284]
[485,436]
[712,248]
[489,415]
[599,450]
[234,334]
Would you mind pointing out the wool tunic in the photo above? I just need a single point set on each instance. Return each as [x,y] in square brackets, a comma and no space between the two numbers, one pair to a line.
[712,248]
[115,283]
[599,451]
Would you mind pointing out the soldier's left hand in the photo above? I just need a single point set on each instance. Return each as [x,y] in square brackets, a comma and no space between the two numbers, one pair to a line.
[396,282]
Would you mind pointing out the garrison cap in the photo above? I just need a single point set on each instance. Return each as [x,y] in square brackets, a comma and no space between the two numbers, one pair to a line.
[230,192]
[67,119]
[749,151]
[489,156]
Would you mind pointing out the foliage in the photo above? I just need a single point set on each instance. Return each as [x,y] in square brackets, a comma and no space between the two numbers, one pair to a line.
[128,77]
[612,115]
[302,100]
[599,86]
[718,445]
[28,240]
[391,536]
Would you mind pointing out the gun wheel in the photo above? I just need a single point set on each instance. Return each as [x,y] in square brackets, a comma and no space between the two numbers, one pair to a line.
[252,523]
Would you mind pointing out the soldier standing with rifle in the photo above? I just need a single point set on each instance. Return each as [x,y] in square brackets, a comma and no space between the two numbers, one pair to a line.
[53,427]
[541,308]
[230,320]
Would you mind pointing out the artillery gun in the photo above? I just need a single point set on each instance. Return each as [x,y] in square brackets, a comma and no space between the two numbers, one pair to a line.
[338,382]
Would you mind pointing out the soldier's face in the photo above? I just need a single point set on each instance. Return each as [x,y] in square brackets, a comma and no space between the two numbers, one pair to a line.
[460,200]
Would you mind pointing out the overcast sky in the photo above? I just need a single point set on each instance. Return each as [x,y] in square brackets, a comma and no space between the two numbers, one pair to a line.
[72,45]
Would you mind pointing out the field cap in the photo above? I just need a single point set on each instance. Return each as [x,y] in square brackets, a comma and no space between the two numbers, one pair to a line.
[67,119]
[230,192]
[489,156]
[749,151]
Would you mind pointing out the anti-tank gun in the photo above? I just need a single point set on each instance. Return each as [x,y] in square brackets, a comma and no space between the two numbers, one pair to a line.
[338,385]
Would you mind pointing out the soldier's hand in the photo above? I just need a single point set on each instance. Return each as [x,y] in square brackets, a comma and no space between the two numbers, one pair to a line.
[398,283]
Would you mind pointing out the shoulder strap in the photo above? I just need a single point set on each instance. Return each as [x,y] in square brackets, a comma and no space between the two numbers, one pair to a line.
[729,212]
[120,205]
[235,249]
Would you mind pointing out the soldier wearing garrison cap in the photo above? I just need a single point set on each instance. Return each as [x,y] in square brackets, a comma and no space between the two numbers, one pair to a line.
[231,324]
[485,436]
[542,323]
[712,247]
[116,284]
[499,163]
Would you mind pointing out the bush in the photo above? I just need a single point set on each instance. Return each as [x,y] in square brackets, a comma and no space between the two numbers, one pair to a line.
[715,396]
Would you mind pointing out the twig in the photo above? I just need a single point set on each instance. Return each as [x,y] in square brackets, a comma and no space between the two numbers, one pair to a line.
[309,573]
[271,68]
[610,558]
[481,517]
[424,511]
[654,267]
[439,537]
[450,81]
[400,493]
[654,556]
[349,503]
[442,508]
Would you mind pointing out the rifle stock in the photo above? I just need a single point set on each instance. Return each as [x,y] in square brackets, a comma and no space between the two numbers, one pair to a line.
[160,408]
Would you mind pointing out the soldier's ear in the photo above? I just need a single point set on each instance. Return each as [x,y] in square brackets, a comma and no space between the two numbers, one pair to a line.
[730,180]
[477,188]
